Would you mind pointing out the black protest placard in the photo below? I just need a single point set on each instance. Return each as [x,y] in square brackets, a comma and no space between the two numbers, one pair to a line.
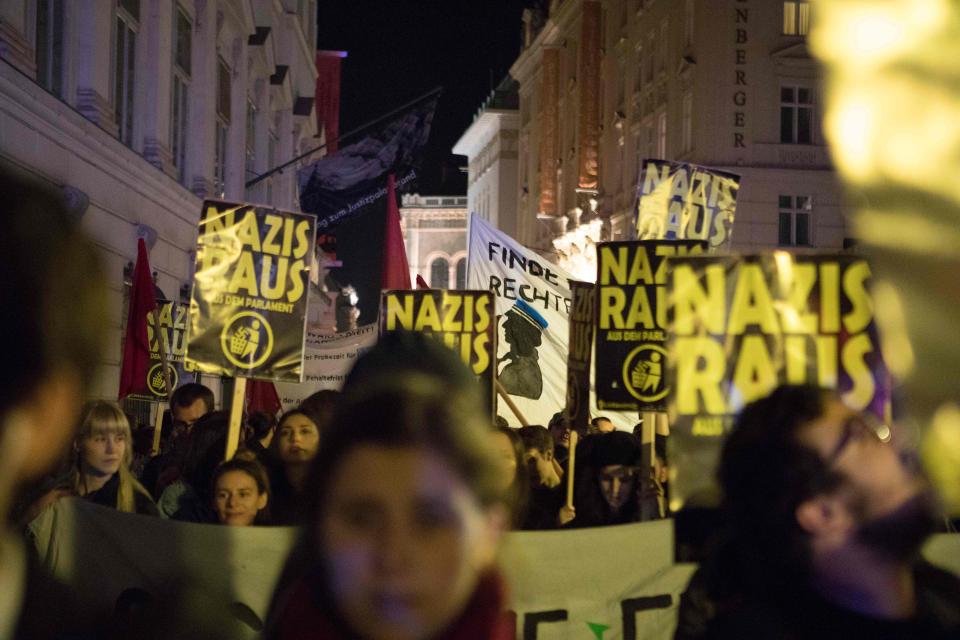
[248,309]
[744,325]
[632,319]
[462,320]
[173,332]
[680,201]
[579,354]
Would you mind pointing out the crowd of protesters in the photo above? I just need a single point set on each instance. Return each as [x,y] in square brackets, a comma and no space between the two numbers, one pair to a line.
[403,488]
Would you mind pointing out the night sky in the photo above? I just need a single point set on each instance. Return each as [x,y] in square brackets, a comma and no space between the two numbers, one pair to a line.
[400,49]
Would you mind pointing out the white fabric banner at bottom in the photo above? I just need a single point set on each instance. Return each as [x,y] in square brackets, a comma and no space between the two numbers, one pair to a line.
[607,583]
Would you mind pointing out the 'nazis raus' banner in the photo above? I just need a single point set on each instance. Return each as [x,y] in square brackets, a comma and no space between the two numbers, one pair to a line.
[249,303]
[579,355]
[680,201]
[462,320]
[173,332]
[743,325]
[632,320]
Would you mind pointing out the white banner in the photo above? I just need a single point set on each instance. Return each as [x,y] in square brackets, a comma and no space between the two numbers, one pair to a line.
[609,583]
[327,361]
[532,348]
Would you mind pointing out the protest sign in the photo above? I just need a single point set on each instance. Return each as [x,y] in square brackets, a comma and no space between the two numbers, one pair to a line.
[632,319]
[326,362]
[173,332]
[248,309]
[580,354]
[677,201]
[743,325]
[462,320]
[534,303]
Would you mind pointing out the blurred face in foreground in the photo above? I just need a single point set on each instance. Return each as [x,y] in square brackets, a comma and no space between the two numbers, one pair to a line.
[405,541]
[238,499]
[299,439]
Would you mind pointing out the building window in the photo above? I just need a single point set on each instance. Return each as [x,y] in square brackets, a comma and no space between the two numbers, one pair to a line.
[181,90]
[638,73]
[662,47]
[795,212]
[687,120]
[222,128]
[648,62]
[250,150]
[439,274]
[125,67]
[688,23]
[796,115]
[796,18]
[662,135]
[462,273]
[272,143]
[50,45]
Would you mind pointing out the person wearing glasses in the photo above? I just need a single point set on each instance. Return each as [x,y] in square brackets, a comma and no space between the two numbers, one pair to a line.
[823,519]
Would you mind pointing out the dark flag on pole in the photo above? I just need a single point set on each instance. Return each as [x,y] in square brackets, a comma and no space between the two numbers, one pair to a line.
[348,192]
[136,346]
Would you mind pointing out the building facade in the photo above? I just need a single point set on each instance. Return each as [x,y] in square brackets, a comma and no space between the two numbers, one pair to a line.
[435,238]
[727,84]
[490,143]
[140,109]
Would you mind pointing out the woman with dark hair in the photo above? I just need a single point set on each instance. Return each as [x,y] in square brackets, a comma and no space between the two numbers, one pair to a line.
[608,484]
[405,512]
[293,448]
[241,491]
[514,478]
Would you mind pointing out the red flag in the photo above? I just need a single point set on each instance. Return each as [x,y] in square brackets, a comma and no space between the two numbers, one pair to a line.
[421,283]
[136,346]
[262,396]
[396,271]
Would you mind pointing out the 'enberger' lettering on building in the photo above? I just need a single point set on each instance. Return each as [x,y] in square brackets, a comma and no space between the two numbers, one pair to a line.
[742,15]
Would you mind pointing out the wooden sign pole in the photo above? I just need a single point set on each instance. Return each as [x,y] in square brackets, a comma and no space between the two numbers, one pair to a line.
[574,436]
[506,398]
[158,423]
[236,416]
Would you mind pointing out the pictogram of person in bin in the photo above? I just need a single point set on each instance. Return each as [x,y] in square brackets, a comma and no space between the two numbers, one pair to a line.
[523,329]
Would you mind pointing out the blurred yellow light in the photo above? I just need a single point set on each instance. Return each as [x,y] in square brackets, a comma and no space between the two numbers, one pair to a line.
[895,341]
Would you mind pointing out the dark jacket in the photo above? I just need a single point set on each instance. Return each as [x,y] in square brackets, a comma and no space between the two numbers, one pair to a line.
[107,496]
[804,614]
[302,616]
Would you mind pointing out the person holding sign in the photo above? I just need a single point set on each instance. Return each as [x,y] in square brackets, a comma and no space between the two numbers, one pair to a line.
[825,517]
[405,513]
